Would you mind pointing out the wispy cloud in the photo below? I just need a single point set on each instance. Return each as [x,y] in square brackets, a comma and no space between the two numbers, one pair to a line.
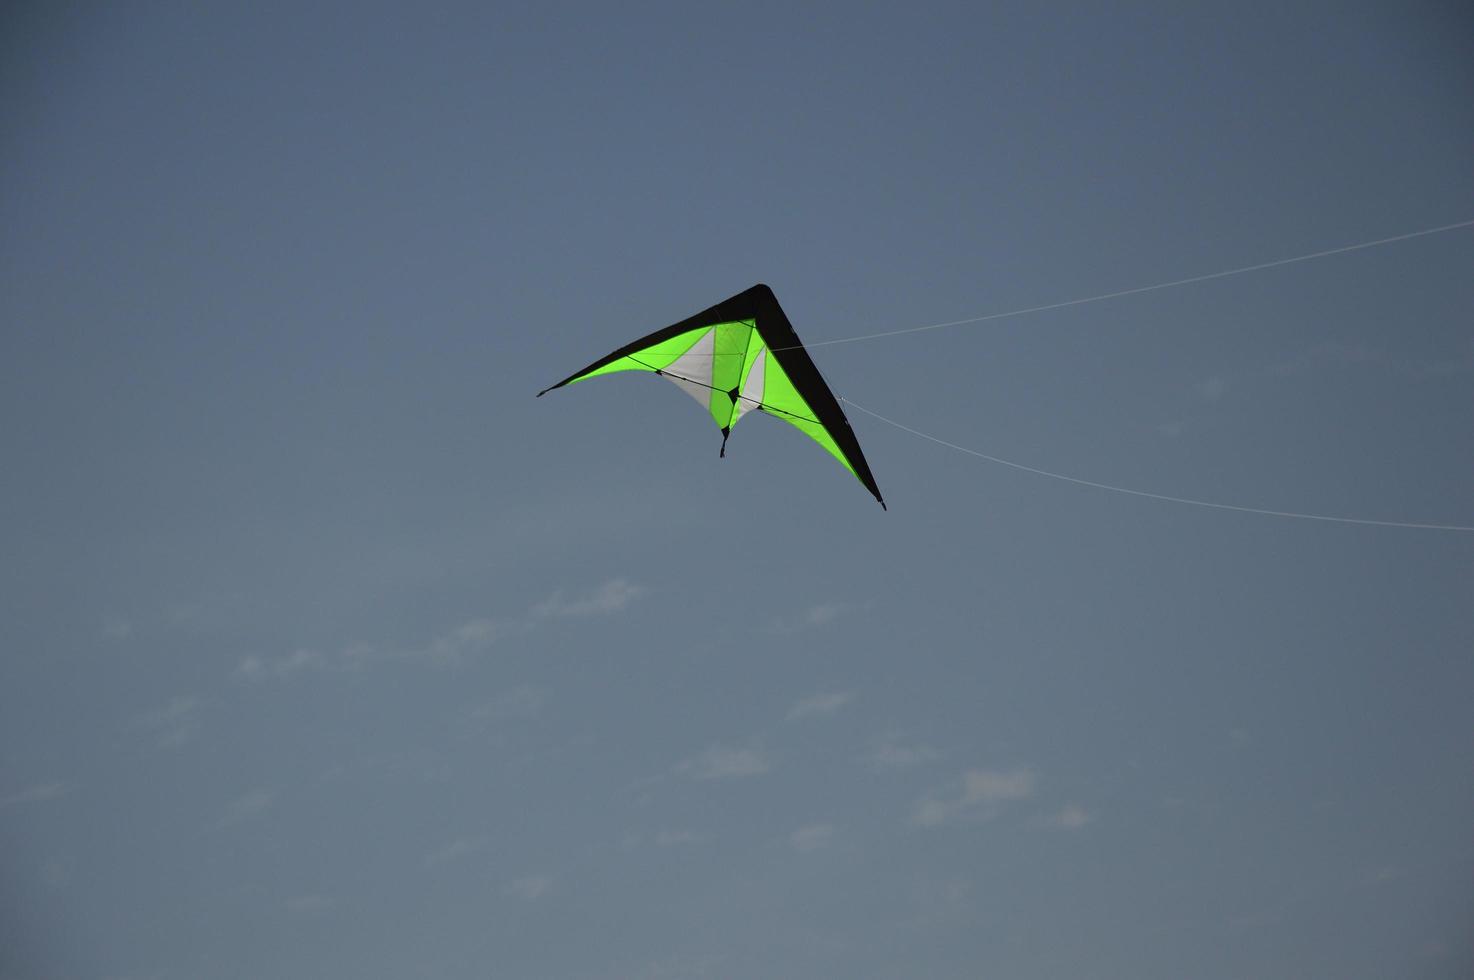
[977,794]
[1330,353]
[664,838]
[523,701]
[823,614]
[116,629]
[454,646]
[1071,816]
[1320,357]
[447,649]
[530,888]
[39,793]
[259,669]
[248,807]
[941,901]
[468,639]
[725,762]
[1174,428]
[820,705]
[892,750]
[418,765]
[456,851]
[1212,389]
[818,615]
[175,723]
[611,597]
[811,837]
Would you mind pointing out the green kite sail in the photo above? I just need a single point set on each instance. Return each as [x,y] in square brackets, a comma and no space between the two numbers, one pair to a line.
[739,356]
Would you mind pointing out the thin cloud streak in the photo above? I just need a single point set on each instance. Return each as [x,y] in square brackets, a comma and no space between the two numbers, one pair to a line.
[175,723]
[249,807]
[812,837]
[820,705]
[977,795]
[725,762]
[891,750]
[39,793]
[451,648]
[1071,816]
[530,888]
[815,617]
[456,851]
[611,597]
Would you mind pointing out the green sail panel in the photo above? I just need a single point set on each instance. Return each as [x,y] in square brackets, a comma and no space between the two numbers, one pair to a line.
[653,358]
[782,400]
[729,355]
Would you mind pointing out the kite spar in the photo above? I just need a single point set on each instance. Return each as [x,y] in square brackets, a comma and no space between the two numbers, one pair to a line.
[739,356]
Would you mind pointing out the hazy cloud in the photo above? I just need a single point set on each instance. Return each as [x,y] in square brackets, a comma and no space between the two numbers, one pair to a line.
[815,616]
[611,597]
[820,704]
[664,838]
[941,901]
[116,629]
[277,668]
[530,888]
[1337,354]
[1173,428]
[449,648]
[522,701]
[725,762]
[823,613]
[1071,816]
[891,750]
[420,765]
[976,795]
[248,807]
[39,793]
[1212,389]
[812,837]
[457,850]
[175,723]
[1329,353]
[472,637]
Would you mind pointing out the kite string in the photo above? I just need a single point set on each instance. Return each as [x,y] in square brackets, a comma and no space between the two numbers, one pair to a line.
[1155,496]
[1152,288]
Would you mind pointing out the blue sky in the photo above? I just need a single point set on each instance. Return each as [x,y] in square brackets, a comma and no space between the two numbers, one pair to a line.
[329,651]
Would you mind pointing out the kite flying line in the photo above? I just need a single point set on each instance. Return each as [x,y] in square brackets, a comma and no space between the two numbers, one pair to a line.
[1328,518]
[1154,496]
[1152,288]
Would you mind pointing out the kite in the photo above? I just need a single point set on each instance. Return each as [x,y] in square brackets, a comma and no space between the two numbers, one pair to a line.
[739,356]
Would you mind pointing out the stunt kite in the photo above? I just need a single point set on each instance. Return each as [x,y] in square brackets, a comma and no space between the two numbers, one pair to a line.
[738,356]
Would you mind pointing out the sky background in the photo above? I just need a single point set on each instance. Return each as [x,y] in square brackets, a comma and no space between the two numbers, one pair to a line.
[330,652]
